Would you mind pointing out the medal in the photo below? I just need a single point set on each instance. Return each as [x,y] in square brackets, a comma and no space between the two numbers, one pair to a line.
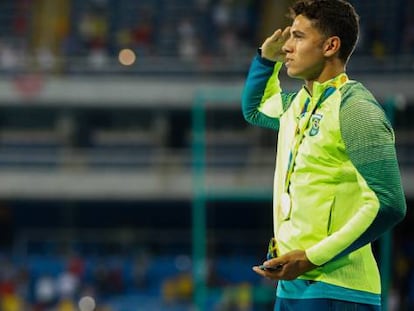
[285,205]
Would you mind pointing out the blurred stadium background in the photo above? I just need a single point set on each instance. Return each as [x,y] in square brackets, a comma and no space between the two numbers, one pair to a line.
[126,170]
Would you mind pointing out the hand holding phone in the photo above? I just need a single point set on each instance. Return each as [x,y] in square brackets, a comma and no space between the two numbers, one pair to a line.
[270,268]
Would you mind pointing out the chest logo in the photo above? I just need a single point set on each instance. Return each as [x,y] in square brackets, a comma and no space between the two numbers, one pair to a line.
[314,122]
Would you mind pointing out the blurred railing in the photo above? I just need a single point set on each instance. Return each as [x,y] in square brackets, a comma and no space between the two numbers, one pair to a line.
[147,172]
[171,65]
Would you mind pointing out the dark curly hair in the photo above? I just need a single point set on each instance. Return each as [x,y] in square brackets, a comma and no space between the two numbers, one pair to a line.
[332,18]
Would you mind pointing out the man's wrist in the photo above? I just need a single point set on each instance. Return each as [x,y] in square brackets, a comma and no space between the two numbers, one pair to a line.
[265,56]
[265,60]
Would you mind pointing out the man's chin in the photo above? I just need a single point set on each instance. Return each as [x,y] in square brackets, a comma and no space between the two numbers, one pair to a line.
[293,74]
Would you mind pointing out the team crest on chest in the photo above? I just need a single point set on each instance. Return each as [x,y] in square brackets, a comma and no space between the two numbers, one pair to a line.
[314,122]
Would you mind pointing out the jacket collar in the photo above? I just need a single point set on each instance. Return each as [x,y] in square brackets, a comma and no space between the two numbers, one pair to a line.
[336,83]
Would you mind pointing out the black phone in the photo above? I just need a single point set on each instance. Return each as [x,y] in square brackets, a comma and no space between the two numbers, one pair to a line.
[269,268]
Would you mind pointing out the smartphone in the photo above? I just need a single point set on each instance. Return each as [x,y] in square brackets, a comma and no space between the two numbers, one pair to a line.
[270,269]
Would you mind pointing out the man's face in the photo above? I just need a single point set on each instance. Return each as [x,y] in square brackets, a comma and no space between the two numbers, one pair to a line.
[304,50]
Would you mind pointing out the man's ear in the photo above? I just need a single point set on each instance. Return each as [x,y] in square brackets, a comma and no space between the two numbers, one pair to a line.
[332,46]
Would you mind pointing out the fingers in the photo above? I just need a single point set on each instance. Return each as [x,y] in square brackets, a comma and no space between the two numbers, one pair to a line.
[286,33]
[270,274]
[276,35]
[259,271]
[286,267]
[264,273]
[271,269]
[272,47]
[280,35]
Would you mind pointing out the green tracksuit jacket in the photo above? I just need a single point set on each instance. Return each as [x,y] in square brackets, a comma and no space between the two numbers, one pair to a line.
[336,164]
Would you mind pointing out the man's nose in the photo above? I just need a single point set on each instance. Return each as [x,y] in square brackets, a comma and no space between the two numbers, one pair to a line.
[286,48]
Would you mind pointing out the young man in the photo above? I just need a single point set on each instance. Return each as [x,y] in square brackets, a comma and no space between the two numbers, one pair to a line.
[337,184]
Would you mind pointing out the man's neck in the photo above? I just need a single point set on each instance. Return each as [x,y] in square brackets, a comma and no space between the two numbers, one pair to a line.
[327,74]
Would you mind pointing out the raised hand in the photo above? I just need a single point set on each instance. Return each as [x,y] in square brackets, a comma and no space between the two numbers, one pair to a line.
[272,46]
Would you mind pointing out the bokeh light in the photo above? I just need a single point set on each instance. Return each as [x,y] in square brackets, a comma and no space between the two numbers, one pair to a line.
[127,57]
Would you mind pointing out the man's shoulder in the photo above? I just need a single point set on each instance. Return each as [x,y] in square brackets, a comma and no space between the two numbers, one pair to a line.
[354,91]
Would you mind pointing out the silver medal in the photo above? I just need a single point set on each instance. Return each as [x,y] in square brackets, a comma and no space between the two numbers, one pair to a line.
[285,205]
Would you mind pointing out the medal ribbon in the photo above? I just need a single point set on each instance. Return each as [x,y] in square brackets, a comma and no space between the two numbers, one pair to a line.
[302,125]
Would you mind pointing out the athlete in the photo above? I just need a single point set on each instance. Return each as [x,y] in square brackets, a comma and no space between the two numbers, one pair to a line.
[337,184]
